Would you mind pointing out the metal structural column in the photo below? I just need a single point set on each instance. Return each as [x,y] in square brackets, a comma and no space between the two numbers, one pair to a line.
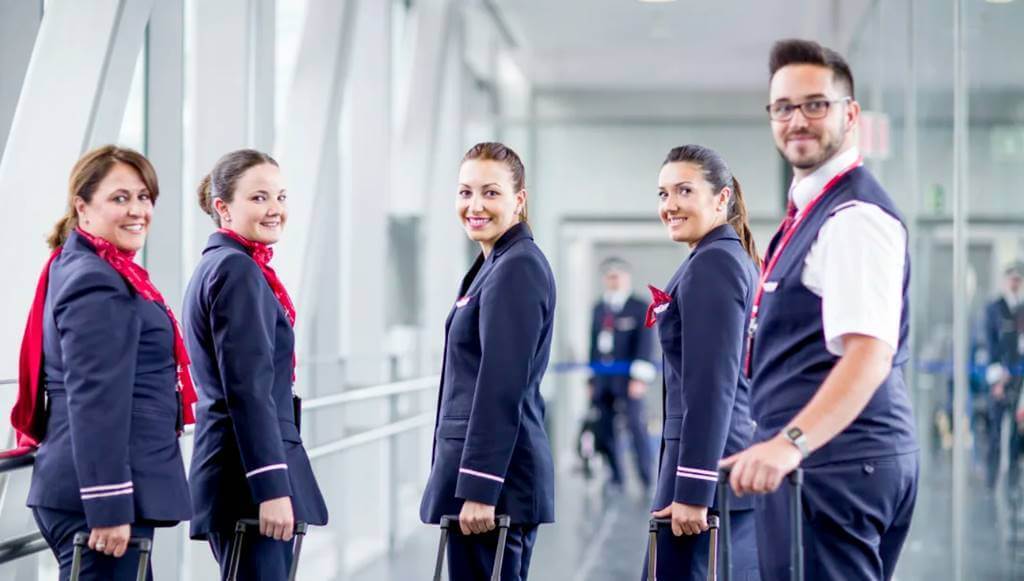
[366,150]
[307,149]
[229,99]
[67,100]
[18,29]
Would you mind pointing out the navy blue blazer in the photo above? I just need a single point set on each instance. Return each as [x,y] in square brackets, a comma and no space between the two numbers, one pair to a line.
[1003,327]
[247,444]
[631,344]
[111,445]
[706,397]
[490,445]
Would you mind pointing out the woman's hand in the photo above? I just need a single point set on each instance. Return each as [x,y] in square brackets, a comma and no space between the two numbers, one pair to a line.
[110,540]
[476,518]
[687,519]
[276,518]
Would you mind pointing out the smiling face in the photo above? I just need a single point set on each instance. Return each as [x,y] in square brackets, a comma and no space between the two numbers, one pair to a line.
[808,143]
[258,209]
[688,206]
[120,210]
[487,203]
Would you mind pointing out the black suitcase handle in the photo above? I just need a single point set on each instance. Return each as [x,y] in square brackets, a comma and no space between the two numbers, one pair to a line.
[503,521]
[652,547]
[242,527]
[796,548]
[81,542]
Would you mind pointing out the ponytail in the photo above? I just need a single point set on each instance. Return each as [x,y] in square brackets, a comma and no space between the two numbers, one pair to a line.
[737,218]
[59,234]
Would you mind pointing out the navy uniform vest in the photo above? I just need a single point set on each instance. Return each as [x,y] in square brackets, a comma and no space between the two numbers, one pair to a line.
[789,360]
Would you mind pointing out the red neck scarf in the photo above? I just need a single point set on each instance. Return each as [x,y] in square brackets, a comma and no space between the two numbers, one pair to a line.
[27,417]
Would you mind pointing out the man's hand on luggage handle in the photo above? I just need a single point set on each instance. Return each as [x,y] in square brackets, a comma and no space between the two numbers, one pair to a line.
[760,468]
[687,519]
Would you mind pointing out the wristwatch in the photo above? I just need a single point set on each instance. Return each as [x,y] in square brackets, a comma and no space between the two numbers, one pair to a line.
[796,437]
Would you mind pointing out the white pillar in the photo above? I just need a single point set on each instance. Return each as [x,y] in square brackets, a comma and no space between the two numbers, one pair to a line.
[18,29]
[366,150]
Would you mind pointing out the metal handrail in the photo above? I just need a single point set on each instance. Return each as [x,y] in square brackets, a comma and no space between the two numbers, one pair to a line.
[16,462]
[29,543]
[373,435]
[377,391]
[23,546]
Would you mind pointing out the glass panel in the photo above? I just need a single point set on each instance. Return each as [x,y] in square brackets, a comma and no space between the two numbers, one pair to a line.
[133,125]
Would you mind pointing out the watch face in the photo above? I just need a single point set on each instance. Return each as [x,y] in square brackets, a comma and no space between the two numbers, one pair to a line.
[794,433]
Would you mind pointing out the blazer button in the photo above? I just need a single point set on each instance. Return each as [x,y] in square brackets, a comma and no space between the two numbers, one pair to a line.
[869,469]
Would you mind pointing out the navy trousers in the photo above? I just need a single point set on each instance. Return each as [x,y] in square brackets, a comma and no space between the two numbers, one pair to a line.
[471,557]
[611,403]
[856,516]
[59,527]
[997,410]
[685,558]
[262,558]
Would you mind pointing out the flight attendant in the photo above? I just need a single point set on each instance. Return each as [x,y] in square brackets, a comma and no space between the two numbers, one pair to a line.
[104,389]
[828,341]
[491,453]
[249,461]
[701,316]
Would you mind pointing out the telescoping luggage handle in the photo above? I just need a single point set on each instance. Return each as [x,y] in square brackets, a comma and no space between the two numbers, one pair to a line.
[242,526]
[652,547]
[447,522]
[796,548]
[81,542]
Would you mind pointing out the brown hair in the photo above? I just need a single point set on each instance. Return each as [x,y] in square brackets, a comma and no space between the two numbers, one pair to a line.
[221,182]
[87,174]
[719,176]
[794,51]
[492,151]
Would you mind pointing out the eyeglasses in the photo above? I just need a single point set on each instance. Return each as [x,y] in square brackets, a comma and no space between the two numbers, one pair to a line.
[813,109]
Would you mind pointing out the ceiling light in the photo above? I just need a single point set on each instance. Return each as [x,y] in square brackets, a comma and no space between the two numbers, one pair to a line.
[998,1]
[656,1]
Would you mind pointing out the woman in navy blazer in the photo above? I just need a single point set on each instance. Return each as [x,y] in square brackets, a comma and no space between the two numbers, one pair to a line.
[700,318]
[249,461]
[491,453]
[103,349]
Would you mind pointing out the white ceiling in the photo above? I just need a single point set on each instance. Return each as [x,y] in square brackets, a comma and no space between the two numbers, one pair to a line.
[723,44]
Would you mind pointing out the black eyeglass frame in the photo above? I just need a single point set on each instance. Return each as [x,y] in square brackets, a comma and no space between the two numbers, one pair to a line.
[792,109]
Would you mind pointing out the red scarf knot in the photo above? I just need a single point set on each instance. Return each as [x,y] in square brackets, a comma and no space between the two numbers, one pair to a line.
[659,298]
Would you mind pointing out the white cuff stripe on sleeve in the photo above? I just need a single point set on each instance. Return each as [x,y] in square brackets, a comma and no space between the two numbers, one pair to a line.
[697,471]
[105,487]
[106,494]
[252,473]
[681,474]
[482,475]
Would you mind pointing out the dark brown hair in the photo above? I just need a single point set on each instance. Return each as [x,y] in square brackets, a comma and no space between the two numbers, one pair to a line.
[492,151]
[221,182]
[794,51]
[719,176]
[87,174]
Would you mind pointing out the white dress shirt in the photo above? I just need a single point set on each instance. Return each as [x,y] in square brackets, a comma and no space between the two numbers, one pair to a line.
[856,263]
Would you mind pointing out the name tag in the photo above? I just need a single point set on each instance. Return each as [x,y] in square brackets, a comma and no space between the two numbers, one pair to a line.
[463,301]
[625,324]
[770,286]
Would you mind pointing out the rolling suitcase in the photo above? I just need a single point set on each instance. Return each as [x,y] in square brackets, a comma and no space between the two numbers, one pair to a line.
[81,542]
[242,526]
[652,547]
[447,522]
[796,558]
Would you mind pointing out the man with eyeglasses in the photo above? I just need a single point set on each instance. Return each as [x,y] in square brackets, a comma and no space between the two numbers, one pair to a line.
[827,341]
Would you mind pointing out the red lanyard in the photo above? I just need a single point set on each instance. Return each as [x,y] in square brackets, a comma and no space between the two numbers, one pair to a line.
[787,235]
